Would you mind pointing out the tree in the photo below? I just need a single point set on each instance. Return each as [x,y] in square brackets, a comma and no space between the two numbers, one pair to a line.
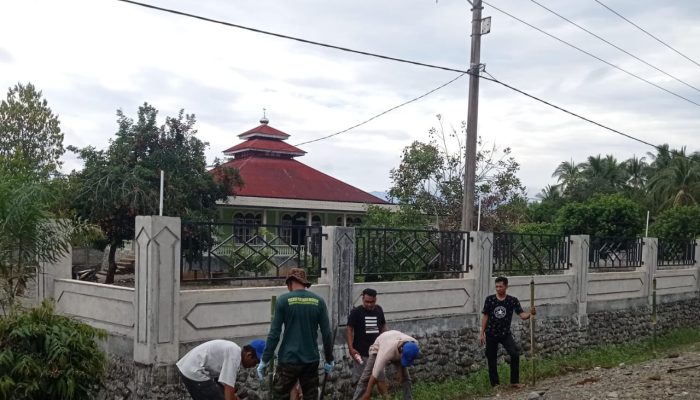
[429,178]
[678,182]
[404,217]
[48,356]
[29,128]
[34,229]
[123,181]
[681,222]
[567,173]
[603,215]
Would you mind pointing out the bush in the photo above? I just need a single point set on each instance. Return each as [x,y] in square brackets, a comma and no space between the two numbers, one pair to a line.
[47,356]
[603,215]
[677,223]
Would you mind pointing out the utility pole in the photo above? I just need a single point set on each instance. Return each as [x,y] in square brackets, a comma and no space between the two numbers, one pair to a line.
[478,28]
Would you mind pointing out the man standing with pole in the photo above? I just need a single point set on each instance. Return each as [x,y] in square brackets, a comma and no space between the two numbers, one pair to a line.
[302,313]
[495,329]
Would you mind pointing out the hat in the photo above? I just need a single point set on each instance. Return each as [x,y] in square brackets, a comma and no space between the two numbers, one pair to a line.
[259,346]
[409,353]
[298,275]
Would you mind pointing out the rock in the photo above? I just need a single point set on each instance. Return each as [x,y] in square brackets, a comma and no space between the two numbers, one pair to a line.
[621,365]
[533,396]
[612,395]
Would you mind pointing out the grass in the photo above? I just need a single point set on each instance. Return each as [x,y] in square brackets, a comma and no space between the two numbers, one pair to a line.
[477,383]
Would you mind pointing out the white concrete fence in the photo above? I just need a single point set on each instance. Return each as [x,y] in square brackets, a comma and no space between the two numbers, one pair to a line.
[156,321]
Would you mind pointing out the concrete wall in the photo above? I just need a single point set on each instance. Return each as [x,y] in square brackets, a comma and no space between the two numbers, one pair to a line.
[229,313]
[575,309]
[103,306]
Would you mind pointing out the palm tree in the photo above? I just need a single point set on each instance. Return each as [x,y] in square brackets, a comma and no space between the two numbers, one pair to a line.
[599,170]
[637,171]
[567,173]
[679,182]
[550,193]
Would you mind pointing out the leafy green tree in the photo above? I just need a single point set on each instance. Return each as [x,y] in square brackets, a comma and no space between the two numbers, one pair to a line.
[30,234]
[678,182]
[123,181]
[681,222]
[29,129]
[47,356]
[429,178]
[603,215]
[404,217]
[568,173]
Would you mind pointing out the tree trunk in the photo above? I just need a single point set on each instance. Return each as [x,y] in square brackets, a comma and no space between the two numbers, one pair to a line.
[112,264]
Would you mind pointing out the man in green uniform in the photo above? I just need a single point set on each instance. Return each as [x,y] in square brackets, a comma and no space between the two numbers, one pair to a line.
[302,313]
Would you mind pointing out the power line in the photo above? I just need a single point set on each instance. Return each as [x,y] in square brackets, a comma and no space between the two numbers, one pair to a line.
[615,46]
[490,78]
[590,55]
[647,32]
[279,35]
[384,112]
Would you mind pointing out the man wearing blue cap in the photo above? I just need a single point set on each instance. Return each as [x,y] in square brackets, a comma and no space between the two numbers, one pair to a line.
[389,347]
[209,370]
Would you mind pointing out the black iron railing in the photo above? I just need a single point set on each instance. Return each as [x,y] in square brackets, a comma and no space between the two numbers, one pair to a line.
[676,252]
[383,254]
[231,251]
[614,252]
[526,254]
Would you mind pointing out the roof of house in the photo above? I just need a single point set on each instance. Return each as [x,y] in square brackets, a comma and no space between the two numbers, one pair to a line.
[289,179]
[264,130]
[265,146]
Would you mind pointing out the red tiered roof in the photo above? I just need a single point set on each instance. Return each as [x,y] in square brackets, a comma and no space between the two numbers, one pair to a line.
[268,169]
[286,178]
[264,145]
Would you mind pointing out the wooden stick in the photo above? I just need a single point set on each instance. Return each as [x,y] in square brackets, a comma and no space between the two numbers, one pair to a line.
[682,368]
[532,329]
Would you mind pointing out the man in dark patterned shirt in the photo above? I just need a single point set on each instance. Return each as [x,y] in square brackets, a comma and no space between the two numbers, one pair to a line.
[495,328]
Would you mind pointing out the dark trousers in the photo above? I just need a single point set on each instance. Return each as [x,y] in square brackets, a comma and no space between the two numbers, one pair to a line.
[492,356]
[205,390]
[287,375]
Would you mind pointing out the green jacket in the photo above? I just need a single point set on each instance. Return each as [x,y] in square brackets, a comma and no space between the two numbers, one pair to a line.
[302,313]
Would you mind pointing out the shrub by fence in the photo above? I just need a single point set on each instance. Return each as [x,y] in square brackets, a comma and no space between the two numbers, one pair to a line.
[614,253]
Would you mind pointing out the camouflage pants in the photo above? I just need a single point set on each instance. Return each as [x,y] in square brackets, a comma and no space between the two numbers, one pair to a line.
[287,375]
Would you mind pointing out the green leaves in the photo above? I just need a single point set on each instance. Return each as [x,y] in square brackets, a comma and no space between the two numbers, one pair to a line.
[30,130]
[48,356]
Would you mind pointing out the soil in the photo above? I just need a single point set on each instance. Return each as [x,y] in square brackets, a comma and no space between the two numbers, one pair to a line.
[669,377]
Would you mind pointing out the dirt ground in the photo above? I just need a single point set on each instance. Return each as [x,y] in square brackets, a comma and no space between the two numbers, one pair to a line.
[649,380]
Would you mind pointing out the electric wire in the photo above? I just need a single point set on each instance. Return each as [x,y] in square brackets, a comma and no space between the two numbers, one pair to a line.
[383,112]
[490,78]
[614,45]
[647,32]
[588,54]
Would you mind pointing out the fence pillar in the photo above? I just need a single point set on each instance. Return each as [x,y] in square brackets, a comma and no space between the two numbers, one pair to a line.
[650,262]
[157,294]
[47,273]
[578,259]
[481,260]
[338,263]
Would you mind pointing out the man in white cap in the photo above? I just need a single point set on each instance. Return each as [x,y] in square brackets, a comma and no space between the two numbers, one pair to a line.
[209,370]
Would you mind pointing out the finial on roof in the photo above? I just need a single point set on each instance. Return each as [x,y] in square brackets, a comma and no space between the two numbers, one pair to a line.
[264,119]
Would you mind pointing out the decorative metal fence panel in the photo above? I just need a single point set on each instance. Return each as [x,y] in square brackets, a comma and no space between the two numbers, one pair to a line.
[676,252]
[383,254]
[231,251]
[530,254]
[614,253]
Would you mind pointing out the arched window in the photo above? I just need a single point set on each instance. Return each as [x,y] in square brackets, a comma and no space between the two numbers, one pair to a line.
[357,221]
[339,221]
[316,220]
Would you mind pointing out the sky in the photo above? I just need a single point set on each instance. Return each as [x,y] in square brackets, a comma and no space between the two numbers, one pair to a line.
[92,57]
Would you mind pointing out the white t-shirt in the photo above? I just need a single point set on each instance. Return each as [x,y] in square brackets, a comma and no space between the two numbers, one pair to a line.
[216,358]
[386,347]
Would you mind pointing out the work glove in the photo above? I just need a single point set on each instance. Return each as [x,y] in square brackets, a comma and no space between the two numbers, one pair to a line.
[328,367]
[261,370]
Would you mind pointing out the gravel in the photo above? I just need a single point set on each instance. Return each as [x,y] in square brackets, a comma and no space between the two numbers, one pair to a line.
[649,380]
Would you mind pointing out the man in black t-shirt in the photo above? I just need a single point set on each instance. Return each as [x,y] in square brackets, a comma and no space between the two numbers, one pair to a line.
[495,328]
[365,323]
